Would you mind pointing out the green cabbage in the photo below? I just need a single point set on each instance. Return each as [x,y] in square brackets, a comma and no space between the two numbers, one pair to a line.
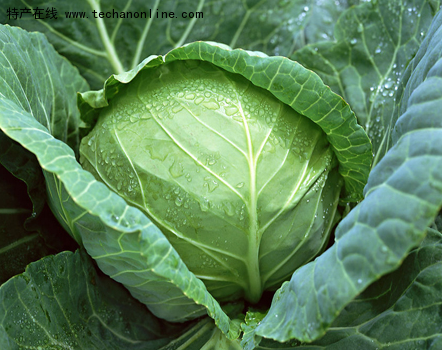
[244,187]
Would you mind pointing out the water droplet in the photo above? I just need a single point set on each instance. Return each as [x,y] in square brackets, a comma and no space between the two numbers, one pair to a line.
[389,84]
[353,41]
[211,105]
[231,110]
[176,169]
[240,185]
[213,185]
[204,204]
[228,209]
[177,108]
[198,100]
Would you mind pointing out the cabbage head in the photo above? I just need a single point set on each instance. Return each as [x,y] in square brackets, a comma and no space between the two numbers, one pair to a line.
[244,187]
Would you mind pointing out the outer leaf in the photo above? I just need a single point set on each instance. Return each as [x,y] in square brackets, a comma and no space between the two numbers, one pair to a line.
[421,87]
[27,63]
[408,176]
[24,166]
[289,82]
[204,335]
[400,311]
[249,340]
[114,233]
[374,43]
[102,46]
[18,247]
[321,18]
[61,302]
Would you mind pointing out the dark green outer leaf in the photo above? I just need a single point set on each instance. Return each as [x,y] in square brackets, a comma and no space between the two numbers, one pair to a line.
[249,340]
[25,167]
[27,63]
[375,41]
[420,91]
[289,82]
[321,18]
[401,311]
[204,335]
[100,47]
[18,247]
[28,230]
[61,302]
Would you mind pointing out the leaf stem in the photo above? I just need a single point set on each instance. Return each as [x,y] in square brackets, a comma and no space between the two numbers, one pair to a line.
[112,56]
[142,39]
[190,26]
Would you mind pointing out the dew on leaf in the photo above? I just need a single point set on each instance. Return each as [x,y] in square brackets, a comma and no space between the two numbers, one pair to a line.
[231,110]
[176,169]
[198,100]
[177,108]
[211,105]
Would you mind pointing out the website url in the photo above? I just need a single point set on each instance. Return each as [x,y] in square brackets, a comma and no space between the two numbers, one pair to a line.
[142,14]
[52,13]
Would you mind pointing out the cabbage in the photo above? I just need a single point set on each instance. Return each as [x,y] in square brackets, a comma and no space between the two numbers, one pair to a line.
[243,186]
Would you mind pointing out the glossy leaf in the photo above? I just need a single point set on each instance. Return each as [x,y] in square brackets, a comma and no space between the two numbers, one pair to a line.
[62,302]
[400,311]
[26,65]
[374,43]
